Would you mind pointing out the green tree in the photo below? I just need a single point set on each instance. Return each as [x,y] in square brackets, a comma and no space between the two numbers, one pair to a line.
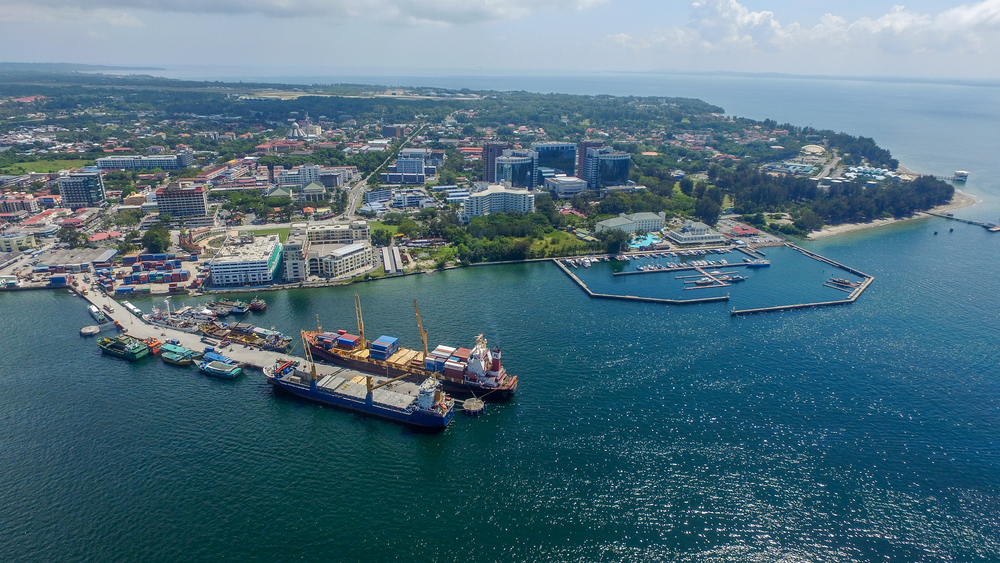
[614,240]
[381,237]
[157,239]
[707,210]
[72,237]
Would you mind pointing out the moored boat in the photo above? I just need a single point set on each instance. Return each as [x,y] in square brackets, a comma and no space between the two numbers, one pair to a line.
[220,369]
[123,346]
[258,304]
[429,408]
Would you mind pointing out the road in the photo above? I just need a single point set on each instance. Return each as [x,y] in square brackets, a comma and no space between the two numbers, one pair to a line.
[358,190]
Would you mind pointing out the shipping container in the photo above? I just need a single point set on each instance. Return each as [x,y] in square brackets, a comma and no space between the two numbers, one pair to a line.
[130,259]
[146,257]
[159,257]
[463,354]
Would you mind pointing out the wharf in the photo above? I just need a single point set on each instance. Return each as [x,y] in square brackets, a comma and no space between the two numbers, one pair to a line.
[251,357]
[680,269]
[634,297]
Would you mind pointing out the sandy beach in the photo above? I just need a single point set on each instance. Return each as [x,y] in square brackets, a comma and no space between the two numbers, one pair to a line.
[960,200]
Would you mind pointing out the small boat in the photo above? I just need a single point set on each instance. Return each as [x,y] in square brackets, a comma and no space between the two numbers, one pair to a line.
[704,281]
[177,359]
[220,369]
[124,347]
[153,344]
[737,278]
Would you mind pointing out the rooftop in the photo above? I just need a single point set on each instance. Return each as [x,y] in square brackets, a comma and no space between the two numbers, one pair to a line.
[248,248]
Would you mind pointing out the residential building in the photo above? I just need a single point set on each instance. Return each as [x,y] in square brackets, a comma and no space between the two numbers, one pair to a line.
[491,151]
[182,200]
[178,161]
[10,203]
[695,232]
[565,187]
[248,260]
[82,189]
[604,167]
[498,199]
[395,131]
[637,222]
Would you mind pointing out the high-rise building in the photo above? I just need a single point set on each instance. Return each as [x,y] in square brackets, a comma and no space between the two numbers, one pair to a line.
[581,154]
[560,157]
[82,189]
[491,151]
[516,167]
[604,167]
[300,175]
[182,201]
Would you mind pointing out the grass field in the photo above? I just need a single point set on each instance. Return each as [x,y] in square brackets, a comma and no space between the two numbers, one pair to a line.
[45,166]
[560,242]
[282,233]
[372,225]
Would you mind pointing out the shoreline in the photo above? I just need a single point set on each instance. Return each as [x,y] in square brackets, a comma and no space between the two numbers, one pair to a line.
[959,201]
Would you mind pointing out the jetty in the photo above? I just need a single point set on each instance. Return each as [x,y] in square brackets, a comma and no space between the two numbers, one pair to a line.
[635,297]
[991,227]
[851,297]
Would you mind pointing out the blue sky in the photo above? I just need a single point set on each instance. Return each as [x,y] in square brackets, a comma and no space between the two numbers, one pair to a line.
[934,39]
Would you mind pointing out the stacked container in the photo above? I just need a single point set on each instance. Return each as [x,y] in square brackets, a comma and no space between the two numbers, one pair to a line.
[384,347]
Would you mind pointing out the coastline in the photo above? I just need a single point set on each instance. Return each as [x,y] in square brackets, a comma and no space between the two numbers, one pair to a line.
[960,200]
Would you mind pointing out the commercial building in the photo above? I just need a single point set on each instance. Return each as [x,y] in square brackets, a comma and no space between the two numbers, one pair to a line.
[178,161]
[330,251]
[581,154]
[695,232]
[410,168]
[491,151]
[561,157]
[182,200]
[300,175]
[636,222]
[82,189]
[498,199]
[247,260]
[516,168]
[17,240]
[604,167]
[565,187]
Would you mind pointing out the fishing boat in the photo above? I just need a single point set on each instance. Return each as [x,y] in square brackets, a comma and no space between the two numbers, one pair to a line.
[176,359]
[123,346]
[240,307]
[220,369]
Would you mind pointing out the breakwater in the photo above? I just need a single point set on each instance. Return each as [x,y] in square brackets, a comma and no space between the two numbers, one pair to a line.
[635,297]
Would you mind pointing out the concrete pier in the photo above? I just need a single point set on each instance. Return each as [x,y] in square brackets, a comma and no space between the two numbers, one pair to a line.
[634,297]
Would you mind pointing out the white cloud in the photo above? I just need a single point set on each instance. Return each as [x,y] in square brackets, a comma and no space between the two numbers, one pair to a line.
[728,26]
[398,11]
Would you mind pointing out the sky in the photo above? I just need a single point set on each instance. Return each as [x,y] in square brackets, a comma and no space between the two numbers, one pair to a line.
[925,39]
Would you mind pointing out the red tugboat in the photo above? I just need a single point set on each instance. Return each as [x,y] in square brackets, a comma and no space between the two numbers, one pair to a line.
[478,371]
[258,304]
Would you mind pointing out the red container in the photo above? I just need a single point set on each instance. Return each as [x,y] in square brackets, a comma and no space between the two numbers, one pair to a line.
[463,354]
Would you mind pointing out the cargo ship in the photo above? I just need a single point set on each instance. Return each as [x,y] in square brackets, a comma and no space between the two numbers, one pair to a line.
[430,408]
[123,346]
[460,370]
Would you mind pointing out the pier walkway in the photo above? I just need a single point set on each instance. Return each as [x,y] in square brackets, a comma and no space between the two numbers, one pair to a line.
[991,227]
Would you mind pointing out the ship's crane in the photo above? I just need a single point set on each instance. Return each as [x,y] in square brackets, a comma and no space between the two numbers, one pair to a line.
[420,327]
[309,357]
[234,325]
[361,321]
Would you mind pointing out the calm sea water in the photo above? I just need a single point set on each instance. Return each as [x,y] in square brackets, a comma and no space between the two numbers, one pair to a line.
[640,432]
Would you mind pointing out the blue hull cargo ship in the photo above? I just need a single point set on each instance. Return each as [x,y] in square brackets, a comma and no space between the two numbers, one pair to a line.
[424,405]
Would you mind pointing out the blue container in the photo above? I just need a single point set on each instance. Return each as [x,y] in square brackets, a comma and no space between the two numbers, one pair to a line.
[177,263]
[159,257]
[160,268]
[146,257]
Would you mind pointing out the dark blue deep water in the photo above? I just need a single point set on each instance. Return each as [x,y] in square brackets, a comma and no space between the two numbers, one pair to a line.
[640,432]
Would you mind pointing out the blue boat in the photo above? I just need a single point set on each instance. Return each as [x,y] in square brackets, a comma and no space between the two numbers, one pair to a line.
[220,369]
[350,390]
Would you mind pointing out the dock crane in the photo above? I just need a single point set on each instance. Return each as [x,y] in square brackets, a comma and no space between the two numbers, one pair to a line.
[309,358]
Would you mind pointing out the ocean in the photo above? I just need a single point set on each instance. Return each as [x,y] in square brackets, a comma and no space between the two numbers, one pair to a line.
[639,432]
